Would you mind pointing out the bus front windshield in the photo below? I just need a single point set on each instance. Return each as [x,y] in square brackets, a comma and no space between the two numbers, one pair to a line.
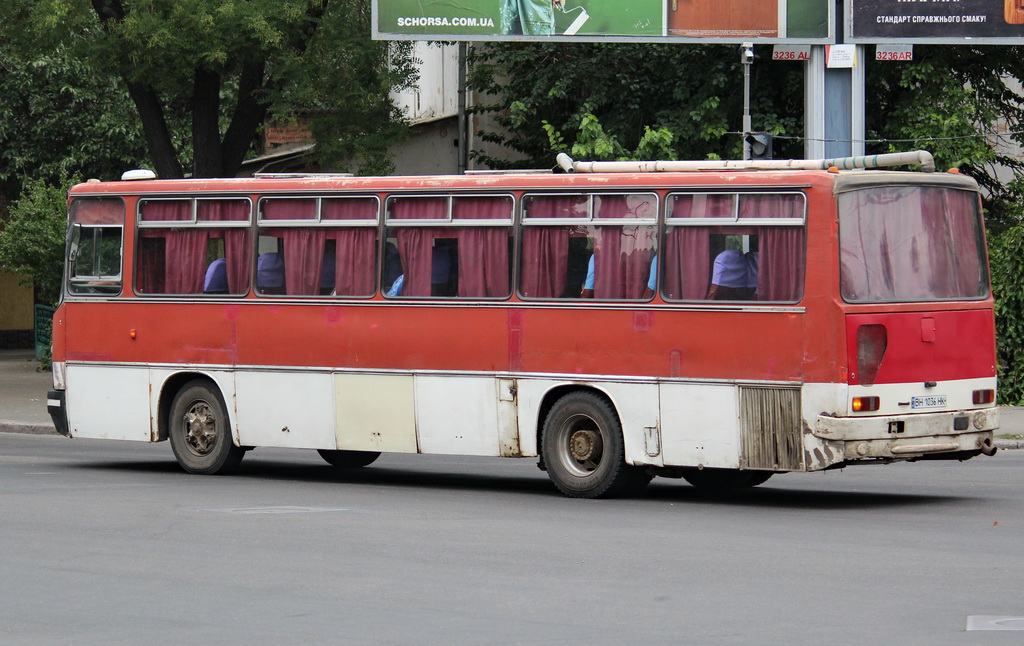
[911,243]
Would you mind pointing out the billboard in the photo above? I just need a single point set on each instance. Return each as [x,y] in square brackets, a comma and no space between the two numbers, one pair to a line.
[959,22]
[707,21]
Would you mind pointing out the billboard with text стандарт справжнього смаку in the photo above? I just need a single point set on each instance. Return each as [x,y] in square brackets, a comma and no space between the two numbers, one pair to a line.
[959,22]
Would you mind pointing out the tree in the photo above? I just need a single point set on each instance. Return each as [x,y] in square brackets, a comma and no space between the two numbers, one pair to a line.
[948,100]
[32,242]
[693,92]
[225,66]
[58,119]
[951,101]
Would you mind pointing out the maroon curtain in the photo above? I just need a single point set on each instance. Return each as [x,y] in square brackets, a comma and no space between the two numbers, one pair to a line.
[184,265]
[186,261]
[416,244]
[355,268]
[780,271]
[686,268]
[289,209]
[623,254]
[949,219]
[303,259]
[355,261]
[965,233]
[546,248]
[483,251]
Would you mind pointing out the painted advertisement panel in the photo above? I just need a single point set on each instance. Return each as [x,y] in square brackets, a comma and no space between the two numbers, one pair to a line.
[932,21]
[720,21]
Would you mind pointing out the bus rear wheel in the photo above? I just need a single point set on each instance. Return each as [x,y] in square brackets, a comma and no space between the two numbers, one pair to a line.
[718,479]
[348,459]
[200,432]
[583,449]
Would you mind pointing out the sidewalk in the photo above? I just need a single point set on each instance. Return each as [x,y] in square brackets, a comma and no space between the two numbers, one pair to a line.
[23,400]
[23,394]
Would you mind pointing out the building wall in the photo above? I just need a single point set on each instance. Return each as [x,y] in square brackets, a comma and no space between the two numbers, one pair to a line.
[16,313]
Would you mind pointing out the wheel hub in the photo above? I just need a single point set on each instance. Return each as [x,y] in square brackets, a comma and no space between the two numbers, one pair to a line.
[200,428]
[585,446]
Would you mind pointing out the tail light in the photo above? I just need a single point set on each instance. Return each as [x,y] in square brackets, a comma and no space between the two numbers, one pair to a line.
[871,343]
[865,404]
[983,396]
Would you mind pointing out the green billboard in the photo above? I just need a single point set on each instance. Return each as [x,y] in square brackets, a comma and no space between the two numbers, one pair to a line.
[722,21]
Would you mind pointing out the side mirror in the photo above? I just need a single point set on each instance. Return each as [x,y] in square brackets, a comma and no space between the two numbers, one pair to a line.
[74,240]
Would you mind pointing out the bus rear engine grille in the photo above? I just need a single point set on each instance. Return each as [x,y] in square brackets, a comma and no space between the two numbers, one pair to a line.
[770,428]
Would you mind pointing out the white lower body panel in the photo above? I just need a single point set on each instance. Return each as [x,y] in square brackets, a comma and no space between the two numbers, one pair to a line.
[665,423]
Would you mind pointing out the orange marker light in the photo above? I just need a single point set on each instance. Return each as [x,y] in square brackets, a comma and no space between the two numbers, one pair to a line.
[132,334]
[865,404]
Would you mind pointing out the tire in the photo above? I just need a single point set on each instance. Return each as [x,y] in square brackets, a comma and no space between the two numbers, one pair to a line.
[720,479]
[583,449]
[348,459]
[200,431]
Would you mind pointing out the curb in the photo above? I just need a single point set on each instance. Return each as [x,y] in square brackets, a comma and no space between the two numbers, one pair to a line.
[27,428]
[1009,444]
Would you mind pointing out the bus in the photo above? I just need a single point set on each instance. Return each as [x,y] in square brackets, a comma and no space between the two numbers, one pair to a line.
[720,322]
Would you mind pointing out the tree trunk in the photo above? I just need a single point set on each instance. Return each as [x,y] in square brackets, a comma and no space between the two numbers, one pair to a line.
[206,159]
[250,111]
[161,148]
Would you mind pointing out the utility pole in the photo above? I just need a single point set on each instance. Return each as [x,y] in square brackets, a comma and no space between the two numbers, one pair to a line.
[747,59]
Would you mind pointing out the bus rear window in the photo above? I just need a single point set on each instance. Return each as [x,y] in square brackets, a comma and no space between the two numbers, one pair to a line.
[911,243]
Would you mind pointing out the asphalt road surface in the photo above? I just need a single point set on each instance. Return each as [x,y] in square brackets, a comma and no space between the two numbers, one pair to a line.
[110,543]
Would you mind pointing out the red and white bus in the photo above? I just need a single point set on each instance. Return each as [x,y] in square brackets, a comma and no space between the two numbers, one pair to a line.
[716,323]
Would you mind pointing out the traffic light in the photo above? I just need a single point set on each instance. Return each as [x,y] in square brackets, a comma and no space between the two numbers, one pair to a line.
[760,145]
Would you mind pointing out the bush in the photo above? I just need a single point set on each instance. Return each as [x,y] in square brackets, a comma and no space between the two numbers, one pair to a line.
[32,242]
[1006,253]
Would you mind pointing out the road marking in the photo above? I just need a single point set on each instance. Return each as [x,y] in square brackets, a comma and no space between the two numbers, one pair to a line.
[283,509]
[994,622]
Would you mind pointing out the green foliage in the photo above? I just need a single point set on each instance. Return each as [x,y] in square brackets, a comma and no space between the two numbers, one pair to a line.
[1006,254]
[669,101]
[947,102]
[594,144]
[58,118]
[32,242]
[204,75]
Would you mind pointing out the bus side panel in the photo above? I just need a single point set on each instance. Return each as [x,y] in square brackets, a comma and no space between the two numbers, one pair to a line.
[458,415]
[120,392]
[700,425]
[375,412]
[281,409]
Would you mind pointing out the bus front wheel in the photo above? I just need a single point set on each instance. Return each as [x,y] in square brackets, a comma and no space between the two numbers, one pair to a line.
[200,432]
[348,459]
[583,449]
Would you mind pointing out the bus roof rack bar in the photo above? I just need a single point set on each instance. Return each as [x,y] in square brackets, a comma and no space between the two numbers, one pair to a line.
[922,157]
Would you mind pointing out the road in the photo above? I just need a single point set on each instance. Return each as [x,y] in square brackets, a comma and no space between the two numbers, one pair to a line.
[109,542]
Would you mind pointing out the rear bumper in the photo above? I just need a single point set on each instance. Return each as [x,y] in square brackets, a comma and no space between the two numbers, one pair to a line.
[900,437]
[56,407]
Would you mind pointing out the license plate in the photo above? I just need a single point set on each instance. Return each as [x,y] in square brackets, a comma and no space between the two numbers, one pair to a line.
[928,401]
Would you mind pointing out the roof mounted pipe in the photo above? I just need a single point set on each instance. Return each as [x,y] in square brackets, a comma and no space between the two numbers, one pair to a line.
[922,157]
